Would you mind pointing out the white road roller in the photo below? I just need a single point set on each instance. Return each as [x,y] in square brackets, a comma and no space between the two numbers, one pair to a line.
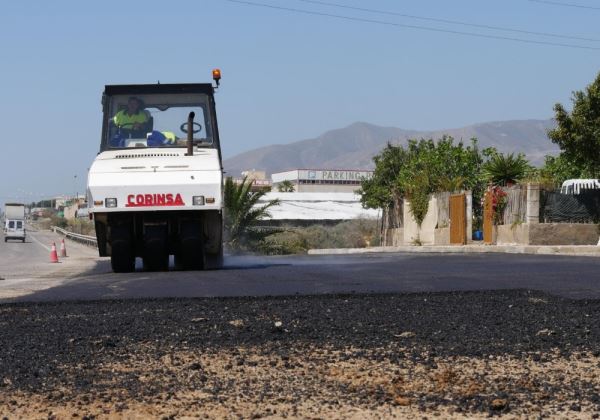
[156,187]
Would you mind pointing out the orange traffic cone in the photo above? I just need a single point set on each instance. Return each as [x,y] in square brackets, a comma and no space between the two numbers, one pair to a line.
[53,255]
[63,249]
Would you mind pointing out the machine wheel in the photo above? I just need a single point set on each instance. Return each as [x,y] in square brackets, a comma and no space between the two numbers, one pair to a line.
[214,261]
[191,247]
[213,240]
[122,258]
[155,254]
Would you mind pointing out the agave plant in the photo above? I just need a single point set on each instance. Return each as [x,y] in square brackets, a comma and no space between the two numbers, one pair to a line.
[504,169]
[242,212]
[451,184]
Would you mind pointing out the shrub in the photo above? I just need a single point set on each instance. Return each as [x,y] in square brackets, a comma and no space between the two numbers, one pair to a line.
[359,233]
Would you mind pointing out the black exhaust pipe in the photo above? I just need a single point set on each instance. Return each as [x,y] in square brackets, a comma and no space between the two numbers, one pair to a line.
[190,134]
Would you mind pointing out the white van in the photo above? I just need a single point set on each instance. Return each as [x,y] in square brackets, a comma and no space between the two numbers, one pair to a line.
[575,186]
[14,229]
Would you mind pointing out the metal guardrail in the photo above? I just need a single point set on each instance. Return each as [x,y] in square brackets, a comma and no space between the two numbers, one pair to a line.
[84,239]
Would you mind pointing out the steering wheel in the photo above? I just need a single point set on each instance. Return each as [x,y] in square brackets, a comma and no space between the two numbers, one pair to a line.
[183,127]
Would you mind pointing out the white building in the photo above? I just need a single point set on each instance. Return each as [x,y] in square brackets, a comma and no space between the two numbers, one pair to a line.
[316,207]
[322,180]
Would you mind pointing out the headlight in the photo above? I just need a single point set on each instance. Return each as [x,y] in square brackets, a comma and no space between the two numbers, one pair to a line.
[198,200]
[110,202]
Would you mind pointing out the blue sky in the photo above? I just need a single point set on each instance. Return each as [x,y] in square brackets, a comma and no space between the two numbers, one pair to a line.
[287,76]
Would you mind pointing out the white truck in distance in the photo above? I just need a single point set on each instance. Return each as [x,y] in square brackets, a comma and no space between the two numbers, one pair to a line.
[155,188]
[14,221]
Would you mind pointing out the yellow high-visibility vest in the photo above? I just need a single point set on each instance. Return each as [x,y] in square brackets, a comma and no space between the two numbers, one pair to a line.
[123,119]
[171,137]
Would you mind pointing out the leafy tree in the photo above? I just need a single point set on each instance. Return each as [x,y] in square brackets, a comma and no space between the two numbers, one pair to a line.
[286,186]
[380,190]
[242,213]
[557,169]
[578,132]
[502,169]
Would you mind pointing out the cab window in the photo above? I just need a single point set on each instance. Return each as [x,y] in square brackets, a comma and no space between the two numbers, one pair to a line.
[157,120]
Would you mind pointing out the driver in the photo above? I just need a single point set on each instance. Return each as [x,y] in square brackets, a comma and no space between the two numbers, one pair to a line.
[133,119]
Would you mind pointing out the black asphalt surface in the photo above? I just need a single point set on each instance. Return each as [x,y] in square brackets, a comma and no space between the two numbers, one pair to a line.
[187,343]
[568,276]
[61,351]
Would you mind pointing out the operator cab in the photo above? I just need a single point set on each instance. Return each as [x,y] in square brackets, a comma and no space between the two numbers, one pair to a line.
[160,118]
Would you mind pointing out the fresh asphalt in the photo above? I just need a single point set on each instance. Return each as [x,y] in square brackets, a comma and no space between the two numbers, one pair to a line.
[136,341]
[567,276]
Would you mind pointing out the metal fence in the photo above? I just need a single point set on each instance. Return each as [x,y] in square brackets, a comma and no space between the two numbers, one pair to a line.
[84,239]
[570,208]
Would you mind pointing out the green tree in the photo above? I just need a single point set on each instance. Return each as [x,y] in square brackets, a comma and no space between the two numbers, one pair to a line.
[557,169]
[502,169]
[242,213]
[578,132]
[380,190]
[286,186]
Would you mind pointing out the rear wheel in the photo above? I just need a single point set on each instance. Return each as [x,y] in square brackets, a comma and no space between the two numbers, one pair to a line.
[213,261]
[213,240]
[122,258]
[191,247]
[155,255]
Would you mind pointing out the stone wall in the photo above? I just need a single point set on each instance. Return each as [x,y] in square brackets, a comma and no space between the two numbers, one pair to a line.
[548,234]
[442,236]
[394,237]
[563,234]
[511,234]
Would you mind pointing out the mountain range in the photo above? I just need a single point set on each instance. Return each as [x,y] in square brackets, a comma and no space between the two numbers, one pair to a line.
[354,146]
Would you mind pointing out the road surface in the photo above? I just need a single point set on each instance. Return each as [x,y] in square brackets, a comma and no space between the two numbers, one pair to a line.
[83,276]
[346,341]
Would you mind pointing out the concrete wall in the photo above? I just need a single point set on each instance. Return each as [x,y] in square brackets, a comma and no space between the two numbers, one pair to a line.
[70,212]
[511,234]
[469,217]
[442,236]
[563,234]
[548,234]
[394,237]
[424,234]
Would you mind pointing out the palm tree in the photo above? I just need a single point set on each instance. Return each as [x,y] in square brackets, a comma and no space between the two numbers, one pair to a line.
[242,212]
[503,169]
[286,186]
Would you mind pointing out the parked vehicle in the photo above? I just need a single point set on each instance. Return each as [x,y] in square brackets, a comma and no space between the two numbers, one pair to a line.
[14,221]
[575,186]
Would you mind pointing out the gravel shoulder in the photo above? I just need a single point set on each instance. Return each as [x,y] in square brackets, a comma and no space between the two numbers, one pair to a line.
[450,355]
